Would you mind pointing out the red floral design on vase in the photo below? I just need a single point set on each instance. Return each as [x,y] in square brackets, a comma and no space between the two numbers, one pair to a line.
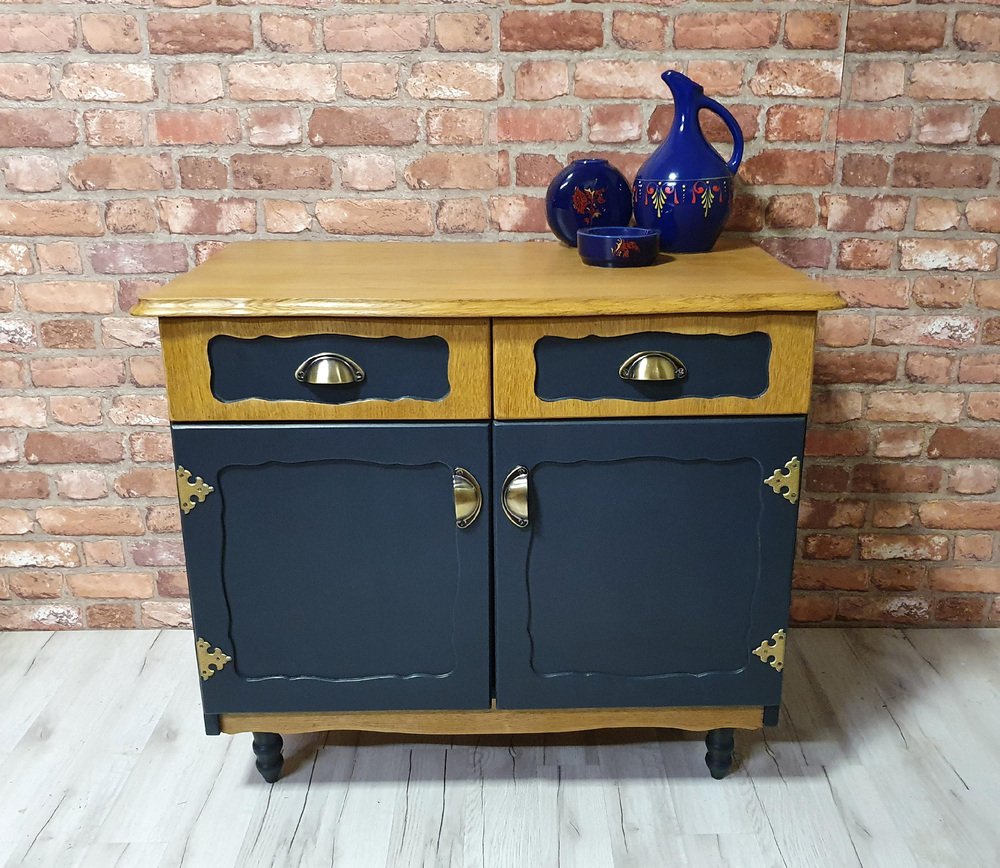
[587,202]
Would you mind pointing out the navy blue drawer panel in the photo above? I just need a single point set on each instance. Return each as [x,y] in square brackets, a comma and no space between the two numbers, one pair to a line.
[264,367]
[716,365]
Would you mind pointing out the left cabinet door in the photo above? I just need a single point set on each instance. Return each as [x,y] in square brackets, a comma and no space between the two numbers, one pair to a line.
[329,565]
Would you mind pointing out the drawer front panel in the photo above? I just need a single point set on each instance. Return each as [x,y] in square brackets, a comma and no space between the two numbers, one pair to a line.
[244,370]
[652,559]
[328,564]
[734,364]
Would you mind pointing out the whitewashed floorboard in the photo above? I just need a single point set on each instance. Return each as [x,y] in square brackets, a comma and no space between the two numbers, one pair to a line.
[886,755]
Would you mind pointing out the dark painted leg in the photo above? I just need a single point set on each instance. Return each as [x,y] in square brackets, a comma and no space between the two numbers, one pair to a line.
[267,746]
[719,758]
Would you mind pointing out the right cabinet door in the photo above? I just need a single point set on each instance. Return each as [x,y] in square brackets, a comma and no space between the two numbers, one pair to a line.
[653,560]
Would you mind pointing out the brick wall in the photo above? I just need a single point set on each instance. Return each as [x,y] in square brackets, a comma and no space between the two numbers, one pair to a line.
[139,137]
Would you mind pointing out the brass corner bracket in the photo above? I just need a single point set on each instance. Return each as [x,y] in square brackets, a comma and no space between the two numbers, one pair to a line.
[787,479]
[773,648]
[210,661]
[188,492]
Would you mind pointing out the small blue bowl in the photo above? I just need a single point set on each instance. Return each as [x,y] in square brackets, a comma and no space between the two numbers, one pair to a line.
[618,246]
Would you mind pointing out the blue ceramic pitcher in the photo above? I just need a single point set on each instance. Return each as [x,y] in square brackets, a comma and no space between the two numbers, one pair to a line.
[685,189]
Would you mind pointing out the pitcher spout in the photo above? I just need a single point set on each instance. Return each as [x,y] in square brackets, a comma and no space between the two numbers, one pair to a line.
[681,87]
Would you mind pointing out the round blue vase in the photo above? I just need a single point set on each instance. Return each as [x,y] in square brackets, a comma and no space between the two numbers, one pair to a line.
[587,193]
[685,189]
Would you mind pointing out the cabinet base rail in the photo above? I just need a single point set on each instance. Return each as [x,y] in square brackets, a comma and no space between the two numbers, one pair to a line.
[498,721]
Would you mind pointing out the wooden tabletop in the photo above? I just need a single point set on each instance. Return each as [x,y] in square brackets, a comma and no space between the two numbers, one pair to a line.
[454,279]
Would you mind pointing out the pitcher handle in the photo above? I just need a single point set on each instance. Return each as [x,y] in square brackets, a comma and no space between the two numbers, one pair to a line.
[734,129]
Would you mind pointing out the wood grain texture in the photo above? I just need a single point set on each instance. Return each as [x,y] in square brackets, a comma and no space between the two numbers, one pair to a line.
[496,721]
[790,367]
[189,388]
[447,279]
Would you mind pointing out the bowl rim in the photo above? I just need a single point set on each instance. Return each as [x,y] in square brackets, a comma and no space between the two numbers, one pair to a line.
[617,232]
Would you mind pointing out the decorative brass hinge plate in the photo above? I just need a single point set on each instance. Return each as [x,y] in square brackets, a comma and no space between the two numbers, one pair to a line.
[210,661]
[188,492]
[786,480]
[773,648]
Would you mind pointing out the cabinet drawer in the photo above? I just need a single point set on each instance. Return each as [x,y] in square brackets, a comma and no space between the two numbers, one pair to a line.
[230,370]
[600,367]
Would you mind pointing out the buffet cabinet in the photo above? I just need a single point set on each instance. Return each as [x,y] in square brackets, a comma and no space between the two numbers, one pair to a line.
[495,492]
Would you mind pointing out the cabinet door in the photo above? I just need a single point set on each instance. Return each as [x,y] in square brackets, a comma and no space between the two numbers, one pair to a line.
[328,564]
[654,560]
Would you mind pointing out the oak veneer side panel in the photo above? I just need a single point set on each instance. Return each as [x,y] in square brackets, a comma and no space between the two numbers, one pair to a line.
[498,721]
[789,372]
[189,392]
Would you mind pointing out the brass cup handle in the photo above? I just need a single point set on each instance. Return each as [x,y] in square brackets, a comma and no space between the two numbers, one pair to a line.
[468,497]
[652,366]
[514,496]
[329,369]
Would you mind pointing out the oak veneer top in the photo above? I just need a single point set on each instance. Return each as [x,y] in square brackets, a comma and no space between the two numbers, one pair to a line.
[453,279]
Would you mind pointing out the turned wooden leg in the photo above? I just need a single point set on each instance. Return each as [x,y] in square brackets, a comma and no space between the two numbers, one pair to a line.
[719,758]
[267,747]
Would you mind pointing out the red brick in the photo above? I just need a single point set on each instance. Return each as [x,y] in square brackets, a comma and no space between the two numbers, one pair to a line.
[936,215]
[960,610]
[375,217]
[122,172]
[831,407]
[41,34]
[49,616]
[799,252]
[811,30]
[949,331]
[974,479]
[281,172]
[68,296]
[453,171]
[130,332]
[116,128]
[926,254]
[364,126]
[867,366]
[895,31]
[800,168]
[619,79]
[979,369]
[463,31]
[188,216]
[873,124]
[75,409]
[906,547]
[825,546]
[893,514]
[947,79]
[158,552]
[967,579]
[865,254]
[536,170]
[640,31]
[138,257]
[878,80]
[914,407]
[455,126]
[113,616]
[455,80]
[20,81]
[124,216]
[861,214]
[158,614]
[183,33]
[90,520]
[138,410]
[378,32]
[202,173]
[31,585]
[729,30]
[518,213]
[828,442]
[988,131]
[172,583]
[826,577]
[795,211]
[163,519]
[931,169]
[15,522]
[983,215]
[367,80]
[811,609]
[283,82]
[59,257]
[111,34]
[872,291]
[944,125]
[23,485]
[539,124]
[832,513]
[974,547]
[38,554]
[289,33]
[977,32]
[541,80]
[718,77]
[551,31]
[77,372]
[895,610]
[195,127]
[368,172]
[461,216]
[71,334]
[794,123]
[991,331]
[896,478]
[108,82]
[81,484]
[37,128]
[615,123]
[928,368]
[865,170]
[45,447]
[964,443]
[941,291]
[118,585]
[798,78]
[195,82]
[984,406]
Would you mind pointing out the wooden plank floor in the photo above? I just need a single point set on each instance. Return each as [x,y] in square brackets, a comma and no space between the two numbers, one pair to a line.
[886,755]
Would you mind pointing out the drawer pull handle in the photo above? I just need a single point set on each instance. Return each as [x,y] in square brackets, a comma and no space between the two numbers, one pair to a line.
[652,366]
[329,369]
[514,496]
[468,497]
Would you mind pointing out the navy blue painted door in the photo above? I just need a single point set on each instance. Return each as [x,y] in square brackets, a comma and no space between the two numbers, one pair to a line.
[327,563]
[654,561]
